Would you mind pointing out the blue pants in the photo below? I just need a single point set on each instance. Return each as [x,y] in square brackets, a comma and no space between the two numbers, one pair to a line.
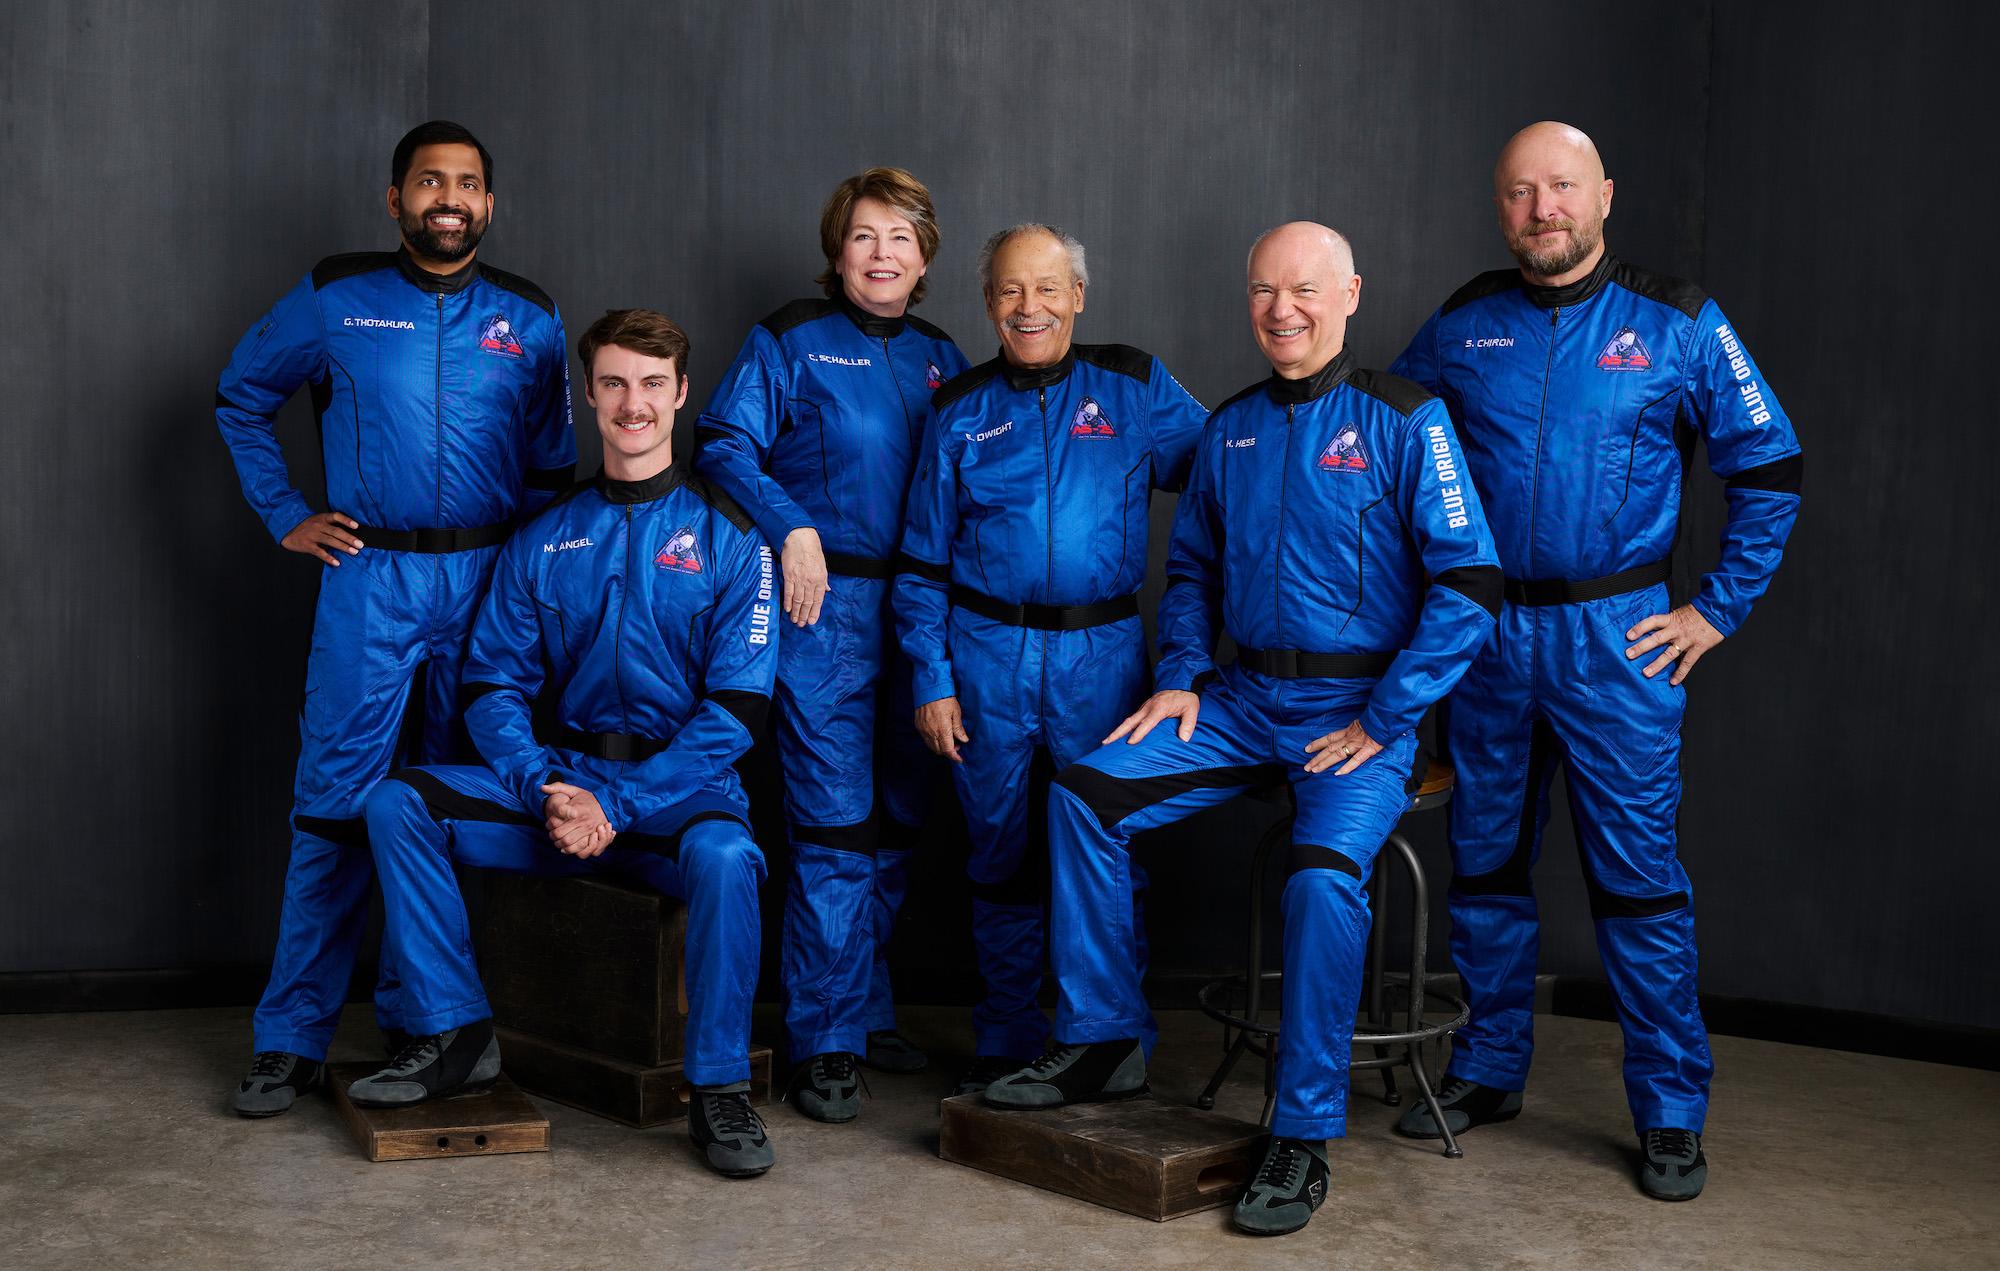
[1251,731]
[1021,688]
[422,821]
[382,618]
[1554,688]
[850,850]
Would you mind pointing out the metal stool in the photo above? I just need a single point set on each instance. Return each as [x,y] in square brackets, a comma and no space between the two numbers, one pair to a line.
[1393,1046]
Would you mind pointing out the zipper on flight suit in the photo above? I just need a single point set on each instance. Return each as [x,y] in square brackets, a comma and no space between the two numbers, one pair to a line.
[1277,555]
[618,642]
[1049,526]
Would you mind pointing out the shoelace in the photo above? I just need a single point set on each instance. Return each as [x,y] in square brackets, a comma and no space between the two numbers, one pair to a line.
[1454,1088]
[1052,1058]
[831,1069]
[268,1063]
[730,1115]
[419,1054]
[1282,1166]
[1673,1144]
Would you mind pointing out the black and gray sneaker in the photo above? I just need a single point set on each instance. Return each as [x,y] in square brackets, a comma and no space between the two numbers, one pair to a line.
[890,1051]
[985,1070]
[276,1078]
[1082,1073]
[1287,1187]
[1672,1165]
[729,1133]
[465,1060]
[827,1087]
[1464,1104]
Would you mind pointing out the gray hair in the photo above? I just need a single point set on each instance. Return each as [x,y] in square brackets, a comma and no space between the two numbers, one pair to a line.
[1078,269]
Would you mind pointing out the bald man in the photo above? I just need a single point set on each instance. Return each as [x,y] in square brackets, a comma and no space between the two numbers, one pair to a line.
[1580,383]
[1320,499]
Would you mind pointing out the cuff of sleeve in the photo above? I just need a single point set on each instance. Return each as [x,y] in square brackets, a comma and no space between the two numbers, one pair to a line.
[1383,725]
[931,684]
[1179,676]
[620,813]
[286,517]
[776,524]
[1707,608]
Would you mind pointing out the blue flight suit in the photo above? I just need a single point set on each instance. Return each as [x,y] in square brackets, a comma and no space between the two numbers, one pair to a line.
[443,409]
[816,426]
[1579,407]
[627,646]
[1022,556]
[1316,509]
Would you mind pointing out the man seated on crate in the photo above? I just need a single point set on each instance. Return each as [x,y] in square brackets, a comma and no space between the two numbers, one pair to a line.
[623,660]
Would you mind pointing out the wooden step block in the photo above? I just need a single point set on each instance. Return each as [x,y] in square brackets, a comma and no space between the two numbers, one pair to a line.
[593,963]
[497,1121]
[636,1094]
[1144,1156]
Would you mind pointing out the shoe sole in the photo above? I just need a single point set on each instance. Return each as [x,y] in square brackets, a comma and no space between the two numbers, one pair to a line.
[1248,1230]
[1102,1097]
[459,1092]
[1472,1122]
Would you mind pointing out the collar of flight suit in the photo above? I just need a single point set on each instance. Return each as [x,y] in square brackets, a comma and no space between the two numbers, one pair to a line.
[1321,382]
[442,284]
[653,487]
[872,325]
[1574,293]
[1023,378]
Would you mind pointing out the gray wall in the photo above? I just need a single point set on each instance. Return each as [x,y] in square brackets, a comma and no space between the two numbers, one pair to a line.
[172,174]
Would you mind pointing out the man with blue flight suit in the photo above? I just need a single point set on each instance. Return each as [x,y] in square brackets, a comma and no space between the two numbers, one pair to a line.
[1329,529]
[1016,602]
[621,664]
[1580,383]
[442,397]
[814,430]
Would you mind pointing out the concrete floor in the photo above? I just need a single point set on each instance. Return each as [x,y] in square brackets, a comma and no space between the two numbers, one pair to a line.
[116,1151]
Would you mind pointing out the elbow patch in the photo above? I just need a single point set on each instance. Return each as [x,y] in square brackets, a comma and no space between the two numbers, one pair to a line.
[1481,584]
[748,708]
[908,564]
[1780,476]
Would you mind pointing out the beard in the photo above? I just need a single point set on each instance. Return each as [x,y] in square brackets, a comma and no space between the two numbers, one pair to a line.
[446,245]
[1554,261]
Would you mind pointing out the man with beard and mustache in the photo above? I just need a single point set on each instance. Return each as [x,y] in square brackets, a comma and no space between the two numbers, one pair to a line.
[1015,597]
[442,397]
[1579,384]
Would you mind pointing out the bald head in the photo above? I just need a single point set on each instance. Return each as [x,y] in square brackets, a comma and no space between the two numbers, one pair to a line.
[1552,198]
[1307,236]
[1302,289]
[1546,146]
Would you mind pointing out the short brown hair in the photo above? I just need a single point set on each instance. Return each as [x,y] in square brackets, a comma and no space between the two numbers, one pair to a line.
[899,190]
[646,331]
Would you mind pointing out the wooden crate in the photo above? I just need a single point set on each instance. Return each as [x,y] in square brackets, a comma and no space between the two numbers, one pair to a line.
[592,963]
[1143,1156]
[492,1123]
[638,1095]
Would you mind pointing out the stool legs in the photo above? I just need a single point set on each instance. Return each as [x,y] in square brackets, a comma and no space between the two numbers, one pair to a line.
[1420,936]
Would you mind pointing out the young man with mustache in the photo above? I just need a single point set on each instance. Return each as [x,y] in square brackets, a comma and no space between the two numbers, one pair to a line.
[442,395]
[621,663]
[1579,383]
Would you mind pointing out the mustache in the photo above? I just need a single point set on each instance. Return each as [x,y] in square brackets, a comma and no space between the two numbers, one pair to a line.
[1548,227]
[1014,322]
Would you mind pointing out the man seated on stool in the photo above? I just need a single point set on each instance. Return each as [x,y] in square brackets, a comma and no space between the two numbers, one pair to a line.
[1320,499]
[622,662]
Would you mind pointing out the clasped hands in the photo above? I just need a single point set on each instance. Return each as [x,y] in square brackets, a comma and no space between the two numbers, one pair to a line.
[575,820]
